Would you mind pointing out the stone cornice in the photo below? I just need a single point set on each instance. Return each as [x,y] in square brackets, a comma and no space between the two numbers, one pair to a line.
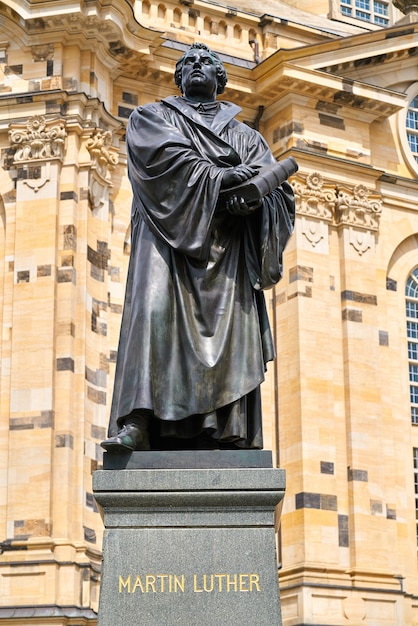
[131,51]
[383,46]
[287,78]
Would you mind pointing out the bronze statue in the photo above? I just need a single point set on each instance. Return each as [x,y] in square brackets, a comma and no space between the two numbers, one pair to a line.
[195,336]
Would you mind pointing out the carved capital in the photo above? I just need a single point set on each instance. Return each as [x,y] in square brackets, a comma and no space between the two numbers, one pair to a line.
[38,139]
[315,198]
[315,202]
[358,208]
[103,155]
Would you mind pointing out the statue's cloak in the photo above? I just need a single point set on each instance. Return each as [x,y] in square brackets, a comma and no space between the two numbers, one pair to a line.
[195,336]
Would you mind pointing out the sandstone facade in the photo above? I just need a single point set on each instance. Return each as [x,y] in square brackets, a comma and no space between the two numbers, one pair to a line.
[334,92]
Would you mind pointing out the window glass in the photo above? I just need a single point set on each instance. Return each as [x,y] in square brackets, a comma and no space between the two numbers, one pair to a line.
[375,11]
[412,127]
[411,293]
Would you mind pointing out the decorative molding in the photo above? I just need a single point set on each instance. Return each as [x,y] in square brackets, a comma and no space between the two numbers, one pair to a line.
[38,139]
[104,159]
[37,183]
[360,212]
[43,52]
[315,203]
[321,204]
[354,208]
[103,155]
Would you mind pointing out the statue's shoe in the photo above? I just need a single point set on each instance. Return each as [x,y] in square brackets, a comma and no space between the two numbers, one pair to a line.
[131,437]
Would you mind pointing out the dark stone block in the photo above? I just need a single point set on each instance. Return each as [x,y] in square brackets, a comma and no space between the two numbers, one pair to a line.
[89,535]
[70,237]
[24,100]
[391,285]
[44,420]
[376,507]
[97,273]
[98,432]
[69,195]
[352,315]
[343,537]
[13,69]
[383,338]
[332,121]
[64,441]
[130,98]
[44,270]
[355,474]
[23,276]
[305,500]
[114,273]
[124,112]
[188,459]
[328,502]
[329,107]
[66,275]
[98,258]
[356,296]
[327,467]
[67,260]
[300,272]
[103,362]
[91,502]
[99,397]
[47,419]
[390,513]
[65,364]
[97,377]
[21,423]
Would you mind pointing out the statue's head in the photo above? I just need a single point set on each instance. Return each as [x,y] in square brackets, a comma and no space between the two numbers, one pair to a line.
[221,75]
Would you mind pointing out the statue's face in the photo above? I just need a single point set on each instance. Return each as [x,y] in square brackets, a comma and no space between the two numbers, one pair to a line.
[199,76]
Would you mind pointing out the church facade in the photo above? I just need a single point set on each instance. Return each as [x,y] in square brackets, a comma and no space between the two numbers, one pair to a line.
[333,84]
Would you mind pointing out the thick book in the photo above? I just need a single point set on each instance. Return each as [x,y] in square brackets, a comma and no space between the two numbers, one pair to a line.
[265,181]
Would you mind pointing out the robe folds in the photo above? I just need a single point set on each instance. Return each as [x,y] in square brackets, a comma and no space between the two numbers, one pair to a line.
[195,336]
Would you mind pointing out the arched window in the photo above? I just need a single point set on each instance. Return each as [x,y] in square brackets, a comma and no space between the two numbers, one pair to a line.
[192,18]
[161,12]
[177,17]
[207,25]
[411,293]
[412,127]
[222,29]
[146,7]
[252,35]
[237,32]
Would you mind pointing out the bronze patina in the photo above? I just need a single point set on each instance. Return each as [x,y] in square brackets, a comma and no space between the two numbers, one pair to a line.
[195,337]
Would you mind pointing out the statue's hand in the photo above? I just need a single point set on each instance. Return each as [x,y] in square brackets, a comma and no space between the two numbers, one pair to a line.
[236,175]
[237,206]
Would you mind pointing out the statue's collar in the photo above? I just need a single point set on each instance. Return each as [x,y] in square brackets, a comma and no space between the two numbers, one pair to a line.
[225,111]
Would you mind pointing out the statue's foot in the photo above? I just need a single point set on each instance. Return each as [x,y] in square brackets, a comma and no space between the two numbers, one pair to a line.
[131,437]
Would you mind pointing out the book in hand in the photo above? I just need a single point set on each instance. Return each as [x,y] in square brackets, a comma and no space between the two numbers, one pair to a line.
[265,181]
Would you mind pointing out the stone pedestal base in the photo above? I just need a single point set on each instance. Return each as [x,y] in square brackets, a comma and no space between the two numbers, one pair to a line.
[189,547]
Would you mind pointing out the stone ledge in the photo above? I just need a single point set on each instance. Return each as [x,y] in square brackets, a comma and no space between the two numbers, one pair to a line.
[187,459]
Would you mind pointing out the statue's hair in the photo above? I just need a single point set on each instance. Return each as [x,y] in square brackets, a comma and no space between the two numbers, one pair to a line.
[221,75]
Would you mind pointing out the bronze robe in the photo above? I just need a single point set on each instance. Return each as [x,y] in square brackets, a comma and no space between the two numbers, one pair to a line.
[195,336]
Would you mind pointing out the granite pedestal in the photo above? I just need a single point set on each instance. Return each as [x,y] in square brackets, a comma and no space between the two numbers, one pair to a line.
[189,539]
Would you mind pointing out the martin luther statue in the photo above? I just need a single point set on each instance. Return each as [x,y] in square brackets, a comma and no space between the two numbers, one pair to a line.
[195,336]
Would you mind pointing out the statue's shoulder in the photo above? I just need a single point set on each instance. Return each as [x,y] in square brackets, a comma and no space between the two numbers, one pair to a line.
[150,107]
